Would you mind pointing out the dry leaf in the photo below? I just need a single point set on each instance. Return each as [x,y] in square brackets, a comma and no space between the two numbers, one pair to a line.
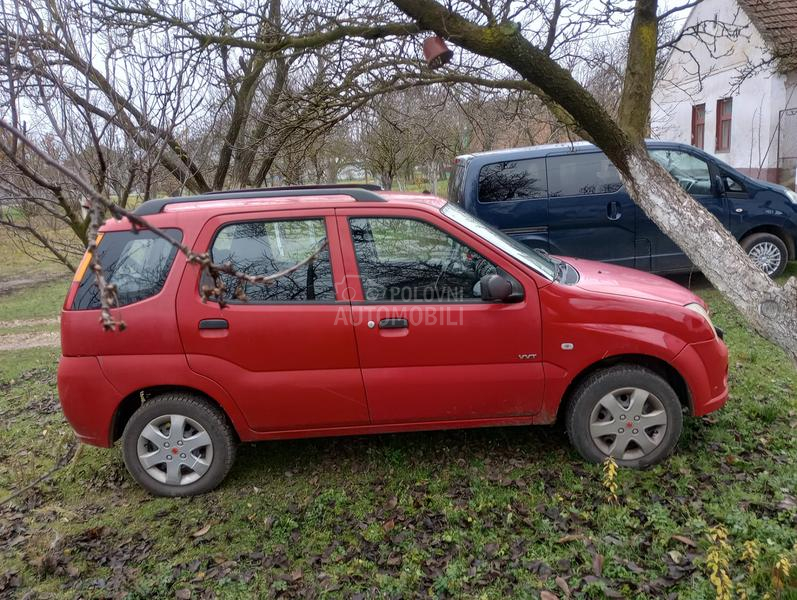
[597,564]
[546,595]
[685,540]
[201,532]
[560,581]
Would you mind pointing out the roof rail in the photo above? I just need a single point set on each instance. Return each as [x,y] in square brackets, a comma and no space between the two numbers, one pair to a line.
[360,194]
[313,186]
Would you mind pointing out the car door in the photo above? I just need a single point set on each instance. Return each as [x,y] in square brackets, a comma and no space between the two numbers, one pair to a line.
[430,349]
[589,213]
[285,351]
[694,174]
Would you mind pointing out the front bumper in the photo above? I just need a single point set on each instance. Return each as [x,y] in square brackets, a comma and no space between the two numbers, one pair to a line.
[704,366]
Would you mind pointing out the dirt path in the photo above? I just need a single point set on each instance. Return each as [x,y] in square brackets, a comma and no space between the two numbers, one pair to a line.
[36,339]
[32,339]
[10,285]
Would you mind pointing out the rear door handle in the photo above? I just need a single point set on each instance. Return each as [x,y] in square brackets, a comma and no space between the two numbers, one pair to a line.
[214,324]
[393,324]
[613,210]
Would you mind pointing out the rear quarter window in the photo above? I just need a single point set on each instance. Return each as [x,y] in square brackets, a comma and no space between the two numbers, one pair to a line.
[513,180]
[137,263]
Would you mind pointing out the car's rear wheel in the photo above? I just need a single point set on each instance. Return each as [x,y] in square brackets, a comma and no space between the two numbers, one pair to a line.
[627,412]
[178,445]
[768,252]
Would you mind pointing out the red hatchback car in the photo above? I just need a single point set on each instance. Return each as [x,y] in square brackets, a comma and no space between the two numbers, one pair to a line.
[405,313]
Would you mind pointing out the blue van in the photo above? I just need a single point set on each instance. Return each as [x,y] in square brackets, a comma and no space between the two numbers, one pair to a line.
[568,199]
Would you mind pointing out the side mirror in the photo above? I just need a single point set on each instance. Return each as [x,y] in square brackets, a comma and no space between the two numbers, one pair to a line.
[497,288]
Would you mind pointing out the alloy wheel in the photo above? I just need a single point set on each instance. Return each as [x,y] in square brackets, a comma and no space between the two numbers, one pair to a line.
[175,450]
[628,423]
[766,256]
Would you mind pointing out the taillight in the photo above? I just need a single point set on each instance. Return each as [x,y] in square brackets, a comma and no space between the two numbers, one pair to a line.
[79,273]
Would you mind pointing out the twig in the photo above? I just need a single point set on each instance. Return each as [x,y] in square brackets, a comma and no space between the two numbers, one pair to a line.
[64,461]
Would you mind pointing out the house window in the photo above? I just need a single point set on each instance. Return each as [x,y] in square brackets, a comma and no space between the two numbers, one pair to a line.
[724,109]
[698,125]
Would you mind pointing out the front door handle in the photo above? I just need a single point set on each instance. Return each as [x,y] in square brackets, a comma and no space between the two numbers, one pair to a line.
[613,211]
[214,324]
[393,324]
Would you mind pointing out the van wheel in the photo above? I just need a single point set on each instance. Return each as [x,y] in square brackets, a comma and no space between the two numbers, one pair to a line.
[178,445]
[627,412]
[768,252]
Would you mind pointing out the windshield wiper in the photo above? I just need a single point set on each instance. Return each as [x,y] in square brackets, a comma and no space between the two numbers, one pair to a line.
[560,266]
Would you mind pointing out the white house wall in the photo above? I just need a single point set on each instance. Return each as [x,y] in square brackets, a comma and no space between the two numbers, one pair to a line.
[756,104]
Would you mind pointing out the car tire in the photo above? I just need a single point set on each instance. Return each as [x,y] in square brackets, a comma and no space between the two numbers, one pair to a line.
[625,411]
[768,252]
[192,461]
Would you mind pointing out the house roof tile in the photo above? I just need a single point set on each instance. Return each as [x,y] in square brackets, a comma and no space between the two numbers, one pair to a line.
[776,20]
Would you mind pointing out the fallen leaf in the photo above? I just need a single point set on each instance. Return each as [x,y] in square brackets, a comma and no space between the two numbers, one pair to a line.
[676,556]
[389,525]
[685,540]
[597,564]
[572,538]
[560,581]
[201,532]
[183,594]
[787,503]
[546,595]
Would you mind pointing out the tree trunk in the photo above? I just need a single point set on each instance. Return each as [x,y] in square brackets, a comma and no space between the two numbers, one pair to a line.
[768,306]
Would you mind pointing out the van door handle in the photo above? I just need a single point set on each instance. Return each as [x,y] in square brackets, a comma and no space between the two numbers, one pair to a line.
[613,211]
[214,324]
[393,324]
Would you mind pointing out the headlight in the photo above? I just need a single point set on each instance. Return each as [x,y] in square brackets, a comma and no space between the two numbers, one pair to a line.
[703,313]
[792,196]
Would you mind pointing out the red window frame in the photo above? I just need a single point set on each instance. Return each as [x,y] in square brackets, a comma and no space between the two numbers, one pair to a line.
[698,125]
[724,115]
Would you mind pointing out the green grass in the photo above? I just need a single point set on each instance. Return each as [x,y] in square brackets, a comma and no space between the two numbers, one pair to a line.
[35,301]
[488,513]
[35,263]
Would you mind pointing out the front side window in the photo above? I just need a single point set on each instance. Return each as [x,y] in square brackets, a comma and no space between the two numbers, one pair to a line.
[731,184]
[276,247]
[513,180]
[136,262]
[582,175]
[406,260]
[691,172]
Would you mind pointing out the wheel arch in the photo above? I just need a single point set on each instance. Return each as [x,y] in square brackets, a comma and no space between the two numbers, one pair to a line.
[131,403]
[661,367]
[777,231]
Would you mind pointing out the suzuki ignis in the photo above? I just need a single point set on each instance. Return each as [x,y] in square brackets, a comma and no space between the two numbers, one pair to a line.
[394,312]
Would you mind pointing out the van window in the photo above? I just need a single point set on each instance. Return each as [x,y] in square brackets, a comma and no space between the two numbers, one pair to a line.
[688,170]
[513,180]
[137,263]
[269,247]
[582,175]
[456,184]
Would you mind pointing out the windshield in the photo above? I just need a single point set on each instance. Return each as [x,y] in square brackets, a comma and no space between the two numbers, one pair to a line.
[540,263]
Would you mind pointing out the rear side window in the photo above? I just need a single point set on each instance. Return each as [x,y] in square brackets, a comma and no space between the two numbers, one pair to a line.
[270,247]
[513,180]
[137,263]
[582,175]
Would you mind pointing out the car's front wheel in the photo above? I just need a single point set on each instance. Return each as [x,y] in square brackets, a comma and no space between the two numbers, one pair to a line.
[768,252]
[627,412]
[178,445]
